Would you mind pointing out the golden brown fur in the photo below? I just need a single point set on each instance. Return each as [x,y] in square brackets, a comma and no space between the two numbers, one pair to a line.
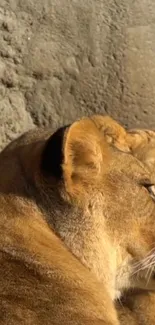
[138,306]
[70,206]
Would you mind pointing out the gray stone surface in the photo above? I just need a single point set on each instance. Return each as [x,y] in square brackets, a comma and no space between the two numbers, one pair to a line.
[60,59]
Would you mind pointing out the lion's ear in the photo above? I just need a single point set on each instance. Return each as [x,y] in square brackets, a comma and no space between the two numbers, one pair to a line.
[140,138]
[114,133]
[86,155]
[142,146]
[77,154]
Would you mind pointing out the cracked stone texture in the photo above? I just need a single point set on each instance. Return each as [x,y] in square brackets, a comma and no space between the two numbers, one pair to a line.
[60,59]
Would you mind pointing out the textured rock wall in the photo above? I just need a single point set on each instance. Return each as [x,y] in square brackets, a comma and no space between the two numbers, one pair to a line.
[60,59]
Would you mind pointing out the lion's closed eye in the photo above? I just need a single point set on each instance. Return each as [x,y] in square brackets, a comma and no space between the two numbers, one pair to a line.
[151,189]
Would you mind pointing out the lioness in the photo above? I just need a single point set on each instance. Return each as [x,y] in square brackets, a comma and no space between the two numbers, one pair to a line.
[136,307]
[77,226]
[139,307]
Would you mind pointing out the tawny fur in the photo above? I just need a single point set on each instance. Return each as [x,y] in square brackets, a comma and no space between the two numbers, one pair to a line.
[136,307]
[69,243]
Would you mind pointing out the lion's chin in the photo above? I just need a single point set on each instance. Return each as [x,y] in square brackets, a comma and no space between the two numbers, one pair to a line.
[151,282]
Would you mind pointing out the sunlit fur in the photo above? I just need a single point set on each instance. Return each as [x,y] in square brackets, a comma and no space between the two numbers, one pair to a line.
[73,234]
[137,306]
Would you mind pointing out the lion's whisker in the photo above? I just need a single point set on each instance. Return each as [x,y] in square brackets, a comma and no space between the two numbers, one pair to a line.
[144,267]
[145,262]
[150,273]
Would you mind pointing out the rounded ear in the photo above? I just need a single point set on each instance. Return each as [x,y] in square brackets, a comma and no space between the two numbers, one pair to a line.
[86,155]
[140,138]
[78,154]
[142,146]
[114,133]
[140,143]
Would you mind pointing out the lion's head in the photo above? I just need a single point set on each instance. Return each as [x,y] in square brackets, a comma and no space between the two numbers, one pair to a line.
[95,195]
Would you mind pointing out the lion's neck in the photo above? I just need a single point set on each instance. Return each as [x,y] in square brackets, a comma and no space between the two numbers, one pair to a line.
[88,241]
